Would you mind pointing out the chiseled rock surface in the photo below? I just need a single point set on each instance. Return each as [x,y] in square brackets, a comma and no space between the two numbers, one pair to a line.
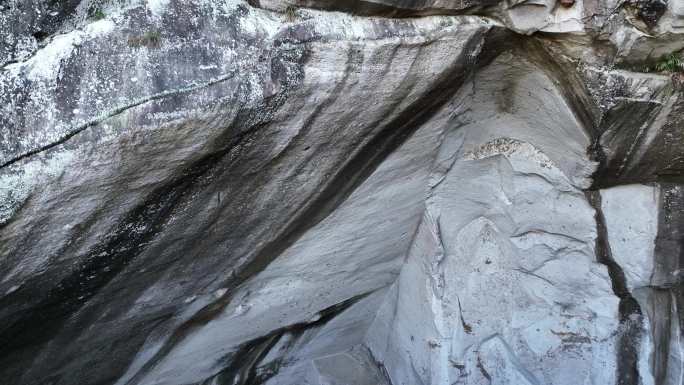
[356,192]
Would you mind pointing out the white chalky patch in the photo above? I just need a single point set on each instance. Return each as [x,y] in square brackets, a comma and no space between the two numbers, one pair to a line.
[20,180]
[157,7]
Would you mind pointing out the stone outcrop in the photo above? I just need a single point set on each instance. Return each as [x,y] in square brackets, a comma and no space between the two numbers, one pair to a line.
[341,192]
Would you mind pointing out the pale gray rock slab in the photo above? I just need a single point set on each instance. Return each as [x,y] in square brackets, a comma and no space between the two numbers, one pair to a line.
[343,335]
[631,214]
[501,284]
[349,368]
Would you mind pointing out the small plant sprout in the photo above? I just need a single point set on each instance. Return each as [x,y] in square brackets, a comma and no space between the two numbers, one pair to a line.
[98,15]
[151,39]
[670,63]
[291,13]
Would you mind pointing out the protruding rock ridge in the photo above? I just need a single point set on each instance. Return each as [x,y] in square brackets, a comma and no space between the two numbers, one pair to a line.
[622,22]
[233,192]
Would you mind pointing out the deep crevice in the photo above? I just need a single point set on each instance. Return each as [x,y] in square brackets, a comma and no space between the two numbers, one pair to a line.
[372,9]
[630,315]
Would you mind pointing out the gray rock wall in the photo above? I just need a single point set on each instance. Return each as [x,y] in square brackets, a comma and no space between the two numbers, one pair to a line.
[374,192]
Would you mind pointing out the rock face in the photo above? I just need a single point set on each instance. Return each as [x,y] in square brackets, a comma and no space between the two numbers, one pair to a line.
[350,192]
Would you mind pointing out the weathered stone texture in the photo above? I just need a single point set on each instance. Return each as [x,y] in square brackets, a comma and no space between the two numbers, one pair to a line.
[355,192]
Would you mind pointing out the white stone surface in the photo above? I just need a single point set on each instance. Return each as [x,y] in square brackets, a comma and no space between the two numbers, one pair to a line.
[468,253]
[501,284]
[631,215]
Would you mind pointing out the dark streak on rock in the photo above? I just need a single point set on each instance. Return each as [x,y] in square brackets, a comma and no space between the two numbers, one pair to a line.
[666,293]
[370,8]
[104,261]
[244,362]
[482,369]
[360,165]
[669,243]
[650,11]
[627,371]
[50,310]
[466,327]
[381,368]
